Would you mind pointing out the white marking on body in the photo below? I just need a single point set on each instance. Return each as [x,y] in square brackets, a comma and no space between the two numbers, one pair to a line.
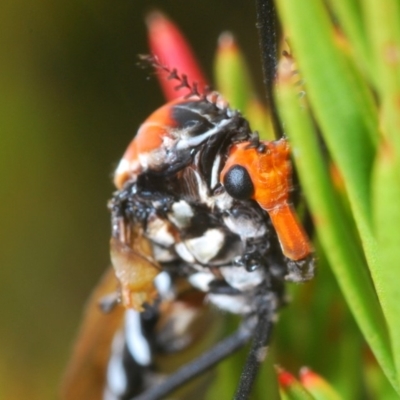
[234,304]
[181,214]
[116,375]
[206,247]
[123,167]
[161,254]
[153,159]
[184,253]
[202,190]
[215,172]
[136,342]
[223,201]
[244,226]
[241,279]
[186,316]
[163,284]
[159,231]
[201,280]
[126,169]
[222,104]
[194,141]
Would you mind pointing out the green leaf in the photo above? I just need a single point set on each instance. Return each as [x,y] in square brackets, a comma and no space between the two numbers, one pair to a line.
[377,386]
[386,194]
[266,385]
[383,27]
[260,119]
[334,225]
[320,319]
[349,14]
[228,371]
[234,82]
[231,73]
[383,23]
[338,103]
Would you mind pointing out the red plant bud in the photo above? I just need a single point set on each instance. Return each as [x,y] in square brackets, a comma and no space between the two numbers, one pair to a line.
[285,378]
[317,386]
[308,377]
[168,44]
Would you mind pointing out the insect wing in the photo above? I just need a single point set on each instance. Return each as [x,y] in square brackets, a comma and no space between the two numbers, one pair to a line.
[134,265]
[85,375]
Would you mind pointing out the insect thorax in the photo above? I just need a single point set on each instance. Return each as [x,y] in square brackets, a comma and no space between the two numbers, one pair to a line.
[225,247]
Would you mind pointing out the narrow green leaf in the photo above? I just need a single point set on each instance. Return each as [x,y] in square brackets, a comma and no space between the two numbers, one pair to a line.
[349,14]
[266,385]
[234,82]
[386,191]
[333,226]
[231,73]
[383,27]
[383,23]
[228,371]
[377,386]
[321,320]
[338,104]
[349,378]
[260,119]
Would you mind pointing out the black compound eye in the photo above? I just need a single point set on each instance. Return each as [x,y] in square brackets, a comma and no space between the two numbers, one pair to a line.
[238,184]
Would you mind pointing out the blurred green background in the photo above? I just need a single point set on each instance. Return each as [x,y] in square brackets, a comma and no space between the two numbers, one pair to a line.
[71,99]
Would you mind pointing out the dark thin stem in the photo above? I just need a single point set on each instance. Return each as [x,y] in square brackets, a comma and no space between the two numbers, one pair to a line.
[256,355]
[203,363]
[267,37]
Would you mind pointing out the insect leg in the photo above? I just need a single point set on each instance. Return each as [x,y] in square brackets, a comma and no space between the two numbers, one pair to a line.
[201,364]
[256,355]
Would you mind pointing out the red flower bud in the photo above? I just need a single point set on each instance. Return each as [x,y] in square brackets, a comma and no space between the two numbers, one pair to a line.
[168,44]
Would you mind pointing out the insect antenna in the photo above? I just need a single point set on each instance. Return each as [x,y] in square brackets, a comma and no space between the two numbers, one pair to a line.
[172,74]
[206,93]
[267,37]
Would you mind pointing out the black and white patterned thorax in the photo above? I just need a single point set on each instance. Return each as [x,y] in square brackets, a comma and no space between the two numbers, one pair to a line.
[225,247]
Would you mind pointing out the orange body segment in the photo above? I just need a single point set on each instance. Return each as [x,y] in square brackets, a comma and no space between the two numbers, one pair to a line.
[149,137]
[86,372]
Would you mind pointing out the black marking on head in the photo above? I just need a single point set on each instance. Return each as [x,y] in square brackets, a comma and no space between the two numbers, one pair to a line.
[238,184]
[188,118]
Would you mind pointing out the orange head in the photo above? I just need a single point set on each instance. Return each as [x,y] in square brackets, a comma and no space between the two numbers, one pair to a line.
[263,173]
